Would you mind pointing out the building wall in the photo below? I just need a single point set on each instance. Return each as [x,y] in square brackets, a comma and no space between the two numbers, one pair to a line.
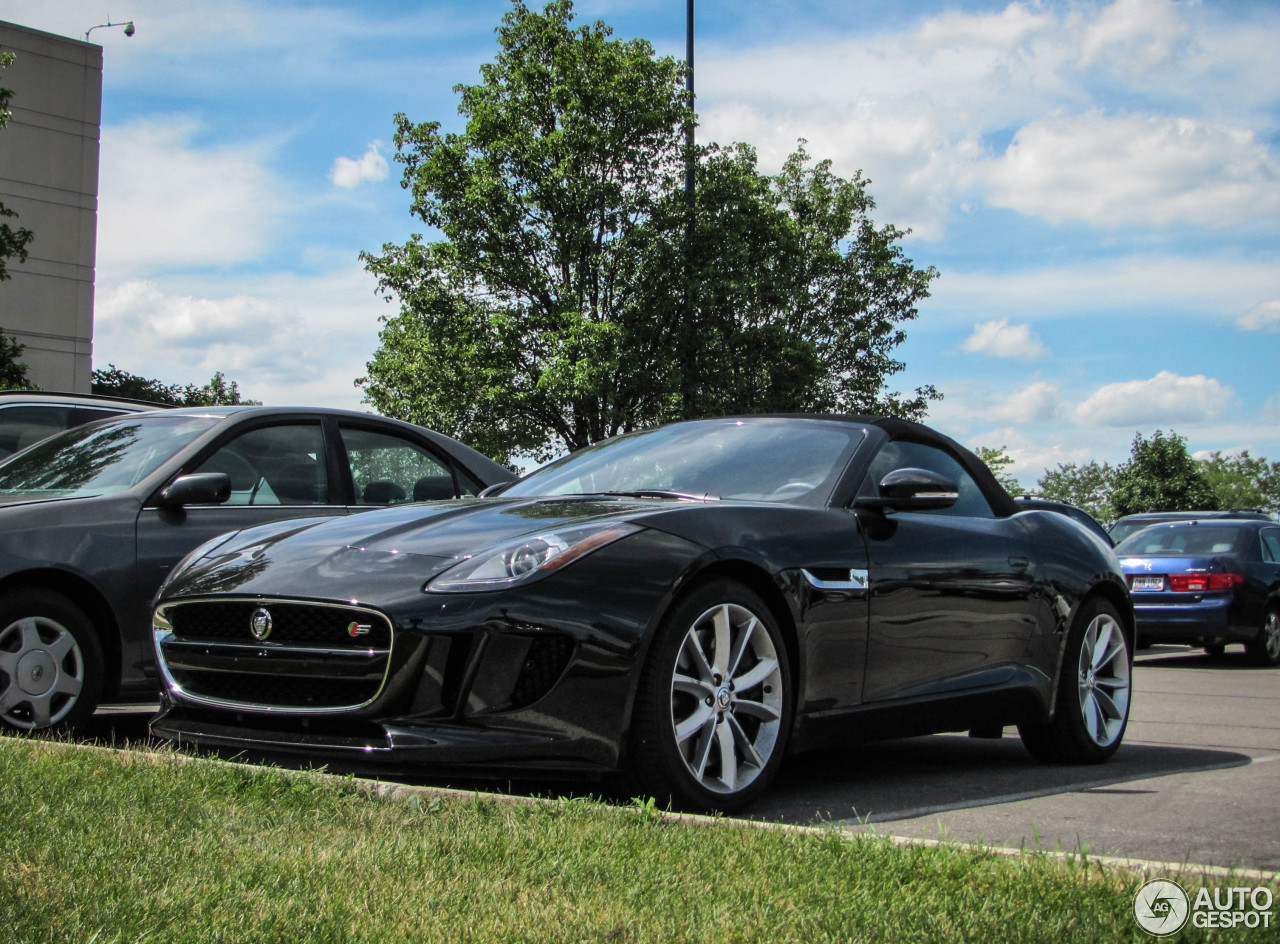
[49,177]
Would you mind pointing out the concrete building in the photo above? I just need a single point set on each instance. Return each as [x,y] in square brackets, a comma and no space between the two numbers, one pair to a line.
[49,177]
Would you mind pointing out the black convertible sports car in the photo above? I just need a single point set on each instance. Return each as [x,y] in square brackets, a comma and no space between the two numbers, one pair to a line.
[684,605]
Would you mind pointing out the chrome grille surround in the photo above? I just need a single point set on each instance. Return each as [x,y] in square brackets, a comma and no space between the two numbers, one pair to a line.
[224,663]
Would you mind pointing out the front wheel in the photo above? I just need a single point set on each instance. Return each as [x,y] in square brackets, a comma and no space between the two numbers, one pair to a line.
[50,663]
[713,711]
[1264,649]
[1092,706]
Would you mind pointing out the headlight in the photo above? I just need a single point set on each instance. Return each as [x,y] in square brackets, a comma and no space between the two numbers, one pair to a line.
[528,558]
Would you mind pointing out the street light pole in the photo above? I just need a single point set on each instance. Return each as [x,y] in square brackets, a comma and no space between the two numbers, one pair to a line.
[688,82]
[688,345]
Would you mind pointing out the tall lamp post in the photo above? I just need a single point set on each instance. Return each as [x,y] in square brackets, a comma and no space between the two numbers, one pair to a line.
[128,27]
[689,379]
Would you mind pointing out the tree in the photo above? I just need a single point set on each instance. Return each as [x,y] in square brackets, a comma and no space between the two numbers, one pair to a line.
[1242,481]
[1088,486]
[114,382]
[997,460]
[13,373]
[13,240]
[1161,475]
[559,305]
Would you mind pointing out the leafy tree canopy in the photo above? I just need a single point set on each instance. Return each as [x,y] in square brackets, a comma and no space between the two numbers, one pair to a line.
[1088,486]
[13,240]
[1161,475]
[998,461]
[13,373]
[561,305]
[114,382]
[1243,481]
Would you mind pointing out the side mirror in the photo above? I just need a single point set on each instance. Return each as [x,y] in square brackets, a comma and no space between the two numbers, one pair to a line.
[913,490]
[203,488]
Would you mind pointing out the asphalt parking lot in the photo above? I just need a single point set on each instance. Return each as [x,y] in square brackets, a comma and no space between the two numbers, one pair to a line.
[1196,780]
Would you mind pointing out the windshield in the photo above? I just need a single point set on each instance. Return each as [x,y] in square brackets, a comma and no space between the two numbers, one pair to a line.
[1182,540]
[101,458]
[773,459]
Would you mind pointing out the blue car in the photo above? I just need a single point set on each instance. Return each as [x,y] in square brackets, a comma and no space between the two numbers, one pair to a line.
[1207,583]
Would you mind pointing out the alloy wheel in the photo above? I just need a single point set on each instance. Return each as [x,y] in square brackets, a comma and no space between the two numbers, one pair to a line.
[42,672]
[727,698]
[1104,680]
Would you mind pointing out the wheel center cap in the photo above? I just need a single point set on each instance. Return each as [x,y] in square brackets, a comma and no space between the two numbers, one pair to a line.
[36,673]
[723,698]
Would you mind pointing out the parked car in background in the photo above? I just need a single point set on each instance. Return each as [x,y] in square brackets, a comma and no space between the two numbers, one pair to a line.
[28,416]
[685,604]
[1064,508]
[1123,527]
[1208,583]
[92,519]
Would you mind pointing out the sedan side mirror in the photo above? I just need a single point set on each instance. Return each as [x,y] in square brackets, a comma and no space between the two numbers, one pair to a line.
[913,490]
[203,488]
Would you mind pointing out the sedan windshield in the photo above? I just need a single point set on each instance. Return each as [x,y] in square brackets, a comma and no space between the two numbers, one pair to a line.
[101,458]
[766,459]
[1182,540]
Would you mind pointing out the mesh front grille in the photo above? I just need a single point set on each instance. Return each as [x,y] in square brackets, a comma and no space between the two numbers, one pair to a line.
[299,624]
[212,654]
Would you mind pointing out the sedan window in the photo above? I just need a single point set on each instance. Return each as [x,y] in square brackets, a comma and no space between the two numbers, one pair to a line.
[1174,540]
[274,465]
[390,470]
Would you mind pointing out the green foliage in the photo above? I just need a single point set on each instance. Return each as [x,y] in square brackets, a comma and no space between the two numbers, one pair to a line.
[13,373]
[13,240]
[1243,481]
[561,304]
[1088,486]
[997,460]
[1161,475]
[114,382]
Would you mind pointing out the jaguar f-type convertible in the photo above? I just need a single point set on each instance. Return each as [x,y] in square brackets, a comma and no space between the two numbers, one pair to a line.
[681,606]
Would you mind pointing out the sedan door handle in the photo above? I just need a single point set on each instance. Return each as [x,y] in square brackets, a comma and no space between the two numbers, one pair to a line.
[1019,563]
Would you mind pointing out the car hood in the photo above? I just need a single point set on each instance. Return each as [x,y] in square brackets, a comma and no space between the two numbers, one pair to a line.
[381,548]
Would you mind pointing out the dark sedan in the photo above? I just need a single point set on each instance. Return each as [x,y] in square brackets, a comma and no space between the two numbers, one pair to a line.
[1207,583]
[92,519]
[684,605]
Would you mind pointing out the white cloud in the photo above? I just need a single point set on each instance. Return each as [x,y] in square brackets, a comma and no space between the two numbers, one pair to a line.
[1165,400]
[1264,317]
[1001,339]
[286,339]
[370,167]
[1036,403]
[166,203]
[1117,171]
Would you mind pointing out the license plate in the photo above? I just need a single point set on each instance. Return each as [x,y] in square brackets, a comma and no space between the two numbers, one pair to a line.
[1148,583]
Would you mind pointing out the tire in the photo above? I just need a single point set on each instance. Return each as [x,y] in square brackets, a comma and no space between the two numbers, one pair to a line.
[1264,649]
[714,708]
[50,663]
[1092,706]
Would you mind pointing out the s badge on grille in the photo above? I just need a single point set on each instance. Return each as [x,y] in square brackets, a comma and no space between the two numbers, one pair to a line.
[358,629]
[260,624]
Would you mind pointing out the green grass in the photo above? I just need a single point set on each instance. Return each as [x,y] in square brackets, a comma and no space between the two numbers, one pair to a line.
[106,847]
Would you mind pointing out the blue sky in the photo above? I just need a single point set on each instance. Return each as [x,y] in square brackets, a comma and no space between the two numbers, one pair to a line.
[1098,184]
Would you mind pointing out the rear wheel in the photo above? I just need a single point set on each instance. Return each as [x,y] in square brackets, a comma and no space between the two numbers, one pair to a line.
[713,711]
[1264,649]
[1092,707]
[50,663]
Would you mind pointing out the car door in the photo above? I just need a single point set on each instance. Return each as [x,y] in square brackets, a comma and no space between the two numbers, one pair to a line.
[952,602]
[278,470]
